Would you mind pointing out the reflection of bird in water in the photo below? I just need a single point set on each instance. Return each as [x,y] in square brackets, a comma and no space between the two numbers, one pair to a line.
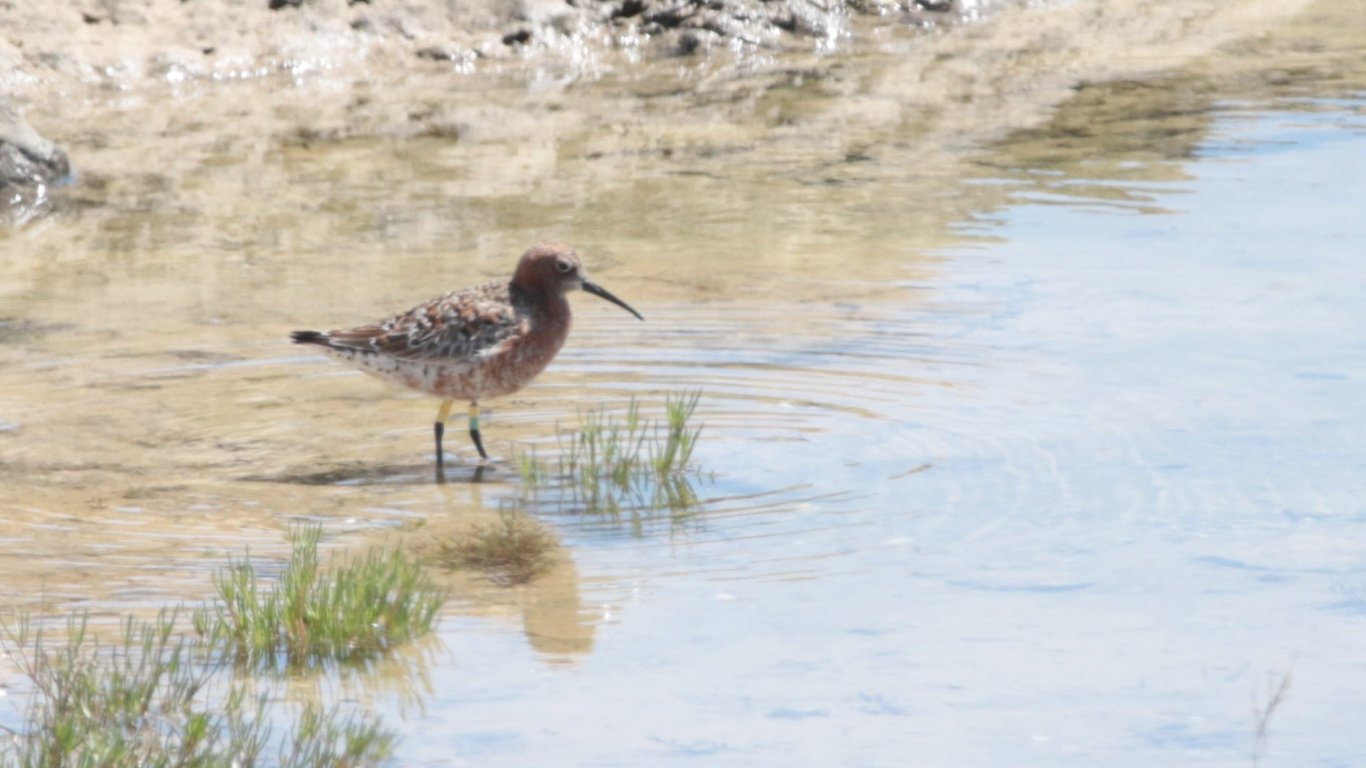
[481,342]
[553,616]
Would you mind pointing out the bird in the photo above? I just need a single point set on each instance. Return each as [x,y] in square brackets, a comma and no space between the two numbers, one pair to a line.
[474,344]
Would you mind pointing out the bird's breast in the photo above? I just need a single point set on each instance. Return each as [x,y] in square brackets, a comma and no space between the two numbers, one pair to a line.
[506,367]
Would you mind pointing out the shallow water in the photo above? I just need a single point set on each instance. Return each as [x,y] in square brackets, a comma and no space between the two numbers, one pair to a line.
[1046,450]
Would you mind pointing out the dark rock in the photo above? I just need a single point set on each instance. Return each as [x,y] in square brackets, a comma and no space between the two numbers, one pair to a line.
[446,53]
[435,53]
[629,9]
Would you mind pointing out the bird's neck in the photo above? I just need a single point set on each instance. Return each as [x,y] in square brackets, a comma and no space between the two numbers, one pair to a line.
[548,307]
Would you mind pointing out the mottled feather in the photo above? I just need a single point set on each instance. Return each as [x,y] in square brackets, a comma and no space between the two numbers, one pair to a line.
[453,328]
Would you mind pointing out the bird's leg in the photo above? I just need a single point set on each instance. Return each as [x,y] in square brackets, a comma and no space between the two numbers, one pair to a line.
[440,428]
[474,429]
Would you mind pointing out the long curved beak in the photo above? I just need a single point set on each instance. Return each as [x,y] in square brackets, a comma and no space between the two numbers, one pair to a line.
[598,290]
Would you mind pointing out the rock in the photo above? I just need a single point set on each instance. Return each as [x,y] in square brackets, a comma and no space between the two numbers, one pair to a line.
[26,158]
[690,26]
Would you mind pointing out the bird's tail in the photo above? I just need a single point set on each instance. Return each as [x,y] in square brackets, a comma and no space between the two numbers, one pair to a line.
[309,337]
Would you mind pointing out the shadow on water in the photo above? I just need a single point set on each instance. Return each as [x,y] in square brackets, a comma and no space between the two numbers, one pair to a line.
[352,474]
[358,474]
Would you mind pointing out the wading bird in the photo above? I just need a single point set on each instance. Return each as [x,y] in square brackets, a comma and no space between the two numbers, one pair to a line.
[482,342]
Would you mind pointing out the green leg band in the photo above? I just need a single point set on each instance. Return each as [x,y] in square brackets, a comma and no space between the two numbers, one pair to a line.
[474,430]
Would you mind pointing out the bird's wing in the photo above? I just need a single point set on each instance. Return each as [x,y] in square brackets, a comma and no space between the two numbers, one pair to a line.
[457,327]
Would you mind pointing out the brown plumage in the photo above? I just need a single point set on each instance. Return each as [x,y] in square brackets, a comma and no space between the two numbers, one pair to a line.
[486,341]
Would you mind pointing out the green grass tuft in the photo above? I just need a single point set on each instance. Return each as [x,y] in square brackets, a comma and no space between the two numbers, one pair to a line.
[144,700]
[609,464]
[326,737]
[129,703]
[679,437]
[352,612]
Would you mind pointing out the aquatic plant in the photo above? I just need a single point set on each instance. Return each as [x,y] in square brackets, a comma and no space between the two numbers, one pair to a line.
[144,700]
[310,617]
[610,464]
[513,550]
[606,447]
[327,737]
[1265,707]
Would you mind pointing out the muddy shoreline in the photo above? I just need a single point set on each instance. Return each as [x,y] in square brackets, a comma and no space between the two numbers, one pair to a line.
[306,72]
[55,57]
[123,43]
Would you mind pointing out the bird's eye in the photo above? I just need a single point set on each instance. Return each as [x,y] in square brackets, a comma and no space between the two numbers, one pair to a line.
[564,266]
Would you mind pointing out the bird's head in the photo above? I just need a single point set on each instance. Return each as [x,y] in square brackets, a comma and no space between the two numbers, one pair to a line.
[555,268]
